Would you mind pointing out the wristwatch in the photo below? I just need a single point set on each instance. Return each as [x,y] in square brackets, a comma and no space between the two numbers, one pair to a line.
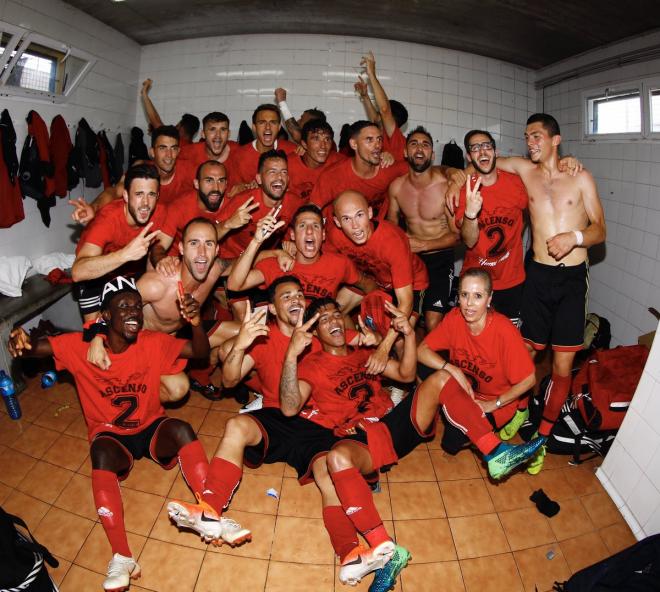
[498,402]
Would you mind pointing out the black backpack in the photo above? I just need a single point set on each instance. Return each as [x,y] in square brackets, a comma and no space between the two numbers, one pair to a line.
[635,569]
[452,155]
[22,558]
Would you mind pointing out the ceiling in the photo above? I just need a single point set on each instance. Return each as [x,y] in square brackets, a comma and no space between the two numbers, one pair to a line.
[528,33]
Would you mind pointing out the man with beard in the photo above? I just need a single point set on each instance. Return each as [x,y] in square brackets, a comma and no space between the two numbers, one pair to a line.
[490,219]
[362,173]
[175,177]
[266,123]
[120,236]
[419,197]
[123,412]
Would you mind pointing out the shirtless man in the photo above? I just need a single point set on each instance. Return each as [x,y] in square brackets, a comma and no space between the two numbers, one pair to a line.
[419,196]
[567,218]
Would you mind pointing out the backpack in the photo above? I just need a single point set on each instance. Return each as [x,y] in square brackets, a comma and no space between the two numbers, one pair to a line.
[605,384]
[597,332]
[452,155]
[22,558]
[635,569]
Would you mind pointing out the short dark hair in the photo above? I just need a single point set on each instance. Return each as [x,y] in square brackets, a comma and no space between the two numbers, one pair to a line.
[198,175]
[316,113]
[308,207]
[164,130]
[474,132]
[283,279]
[420,129]
[215,117]
[190,124]
[477,272]
[548,121]
[399,112]
[316,125]
[140,171]
[316,304]
[271,154]
[359,125]
[197,220]
[266,107]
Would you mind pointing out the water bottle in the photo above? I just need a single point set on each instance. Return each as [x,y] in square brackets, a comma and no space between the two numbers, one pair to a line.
[9,395]
[48,379]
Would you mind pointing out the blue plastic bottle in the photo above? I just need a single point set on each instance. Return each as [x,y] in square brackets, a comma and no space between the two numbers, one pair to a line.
[48,379]
[9,395]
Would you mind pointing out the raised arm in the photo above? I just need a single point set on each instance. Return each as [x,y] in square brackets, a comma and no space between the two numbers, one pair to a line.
[382,102]
[152,115]
[402,370]
[362,89]
[19,345]
[288,119]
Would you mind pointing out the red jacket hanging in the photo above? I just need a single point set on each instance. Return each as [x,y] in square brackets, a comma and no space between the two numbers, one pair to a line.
[11,200]
[37,128]
[59,148]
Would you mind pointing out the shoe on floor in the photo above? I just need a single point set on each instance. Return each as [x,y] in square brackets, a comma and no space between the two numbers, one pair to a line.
[208,391]
[253,405]
[362,561]
[535,465]
[385,578]
[507,457]
[511,428]
[121,570]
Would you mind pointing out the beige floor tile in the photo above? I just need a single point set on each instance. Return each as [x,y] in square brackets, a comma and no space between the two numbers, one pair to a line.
[491,574]
[428,541]
[467,497]
[538,571]
[425,577]
[169,568]
[416,500]
[477,536]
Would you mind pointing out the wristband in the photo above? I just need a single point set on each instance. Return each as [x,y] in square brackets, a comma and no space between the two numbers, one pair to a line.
[91,330]
[470,217]
[285,111]
[579,237]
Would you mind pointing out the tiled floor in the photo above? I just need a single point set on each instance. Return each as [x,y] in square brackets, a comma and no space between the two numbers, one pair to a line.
[464,531]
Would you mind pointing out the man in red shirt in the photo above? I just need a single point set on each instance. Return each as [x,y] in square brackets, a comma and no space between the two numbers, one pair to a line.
[266,123]
[490,219]
[362,173]
[122,408]
[119,238]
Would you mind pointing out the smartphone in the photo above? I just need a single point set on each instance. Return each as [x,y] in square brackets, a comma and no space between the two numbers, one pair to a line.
[275,214]
[258,309]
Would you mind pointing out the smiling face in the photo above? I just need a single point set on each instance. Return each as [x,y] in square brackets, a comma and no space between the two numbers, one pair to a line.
[368,145]
[199,248]
[308,234]
[274,178]
[353,215]
[474,299]
[317,145]
[540,144]
[266,126]
[330,328]
[141,199]
[164,154]
[482,153]
[124,315]
[288,304]
[211,185]
[216,135]
[419,152]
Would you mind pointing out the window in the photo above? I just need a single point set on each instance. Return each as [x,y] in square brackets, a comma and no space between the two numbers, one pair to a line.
[655,110]
[33,65]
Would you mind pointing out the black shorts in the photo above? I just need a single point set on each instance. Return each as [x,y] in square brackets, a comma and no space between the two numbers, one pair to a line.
[210,327]
[293,440]
[554,306]
[404,432]
[139,445]
[89,295]
[454,440]
[508,302]
[440,265]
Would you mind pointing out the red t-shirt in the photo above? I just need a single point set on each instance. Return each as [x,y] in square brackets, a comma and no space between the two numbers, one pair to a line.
[395,144]
[268,355]
[246,159]
[341,177]
[110,230]
[125,398]
[181,211]
[318,279]
[184,173]
[302,178]
[386,256]
[499,248]
[195,154]
[236,241]
[493,361]
[342,392]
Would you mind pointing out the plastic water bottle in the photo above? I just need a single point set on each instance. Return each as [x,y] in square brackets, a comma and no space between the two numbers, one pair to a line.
[48,379]
[9,395]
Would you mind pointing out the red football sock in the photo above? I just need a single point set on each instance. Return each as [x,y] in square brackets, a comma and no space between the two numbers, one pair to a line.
[222,479]
[462,412]
[343,535]
[194,465]
[555,396]
[109,507]
[358,504]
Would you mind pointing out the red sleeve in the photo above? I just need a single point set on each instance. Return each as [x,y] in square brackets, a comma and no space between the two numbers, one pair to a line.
[517,362]
[65,351]
[351,273]
[395,144]
[269,268]
[169,348]
[460,209]
[101,230]
[439,338]
[165,222]
[521,193]
[307,369]
[400,258]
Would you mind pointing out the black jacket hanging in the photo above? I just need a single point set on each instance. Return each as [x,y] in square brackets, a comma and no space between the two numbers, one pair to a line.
[137,150]
[119,156]
[86,155]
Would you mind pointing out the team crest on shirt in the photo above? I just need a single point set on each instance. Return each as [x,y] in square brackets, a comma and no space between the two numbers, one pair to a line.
[476,368]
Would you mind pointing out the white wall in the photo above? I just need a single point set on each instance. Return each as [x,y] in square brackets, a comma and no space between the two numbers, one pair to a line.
[106,98]
[448,91]
[627,281]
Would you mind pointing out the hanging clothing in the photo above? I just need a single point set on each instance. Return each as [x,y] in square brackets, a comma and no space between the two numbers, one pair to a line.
[60,147]
[119,157]
[11,200]
[137,149]
[107,160]
[87,157]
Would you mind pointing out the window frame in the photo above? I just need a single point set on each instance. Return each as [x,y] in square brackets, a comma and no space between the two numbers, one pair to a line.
[644,86]
[20,42]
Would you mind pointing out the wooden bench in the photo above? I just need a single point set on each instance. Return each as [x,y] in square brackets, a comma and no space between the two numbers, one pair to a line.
[38,294]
